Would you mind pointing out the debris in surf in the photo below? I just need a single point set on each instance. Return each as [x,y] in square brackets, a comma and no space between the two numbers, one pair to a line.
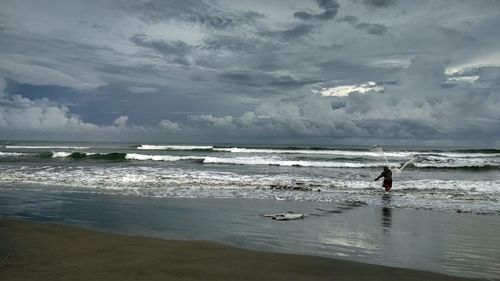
[285,216]
[301,186]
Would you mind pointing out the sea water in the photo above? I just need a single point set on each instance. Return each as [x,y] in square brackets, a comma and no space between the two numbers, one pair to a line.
[162,190]
[450,180]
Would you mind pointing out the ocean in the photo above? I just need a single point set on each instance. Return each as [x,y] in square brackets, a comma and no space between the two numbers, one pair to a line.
[448,180]
[441,215]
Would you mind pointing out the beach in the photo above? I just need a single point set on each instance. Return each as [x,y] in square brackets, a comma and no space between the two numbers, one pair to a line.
[442,215]
[459,245]
[32,251]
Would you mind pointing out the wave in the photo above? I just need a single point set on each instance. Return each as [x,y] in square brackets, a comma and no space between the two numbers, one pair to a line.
[290,163]
[119,156]
[174,147]
[11,154]
[464,166]
[341,153]
[424,162]
[169,158]
[171,182]
[480,150]
[82,155]
[44,147]
[255,161]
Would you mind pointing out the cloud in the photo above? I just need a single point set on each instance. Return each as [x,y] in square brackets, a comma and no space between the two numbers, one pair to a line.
[331,8]
[345,90]
[121,121]
[411,109]
[33,119]
[375,29]
[142,90]
[248,67]
[25,72]
[265,79]
[292,33]
[20,113]
[168,125]
[177,51]
[3,86]
[191,11]
[370,28]
[379,3]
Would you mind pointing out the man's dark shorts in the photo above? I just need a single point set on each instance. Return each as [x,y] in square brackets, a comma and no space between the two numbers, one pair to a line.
[387,184]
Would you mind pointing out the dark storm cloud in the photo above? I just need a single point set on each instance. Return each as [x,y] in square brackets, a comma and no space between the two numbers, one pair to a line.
[192,11]
[370,28]
[106,73]
[228,43]
[410,109]
[349,19]
[331,8]
[379,3]
[265,80]
[177,50]
[359,72]
[292,33]
[375,29]
[457,35]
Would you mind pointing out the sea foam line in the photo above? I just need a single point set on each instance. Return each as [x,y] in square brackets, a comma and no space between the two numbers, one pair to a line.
[423,162]
[174,147]
[44,147]
[136,156]
[11,153]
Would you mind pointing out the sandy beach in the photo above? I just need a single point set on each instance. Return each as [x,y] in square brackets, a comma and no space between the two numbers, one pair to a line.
[32,251]
[443,243]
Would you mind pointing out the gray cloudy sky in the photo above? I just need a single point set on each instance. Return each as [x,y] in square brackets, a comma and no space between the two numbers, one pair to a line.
[265,71]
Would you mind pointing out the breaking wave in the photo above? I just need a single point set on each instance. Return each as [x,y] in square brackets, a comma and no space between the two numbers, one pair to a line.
[11,154]
[174,147]
[465,195]
[428,162]
[82,155]
[169,158]
[44,147]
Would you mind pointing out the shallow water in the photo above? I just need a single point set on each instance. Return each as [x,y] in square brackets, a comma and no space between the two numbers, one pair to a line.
[457,244]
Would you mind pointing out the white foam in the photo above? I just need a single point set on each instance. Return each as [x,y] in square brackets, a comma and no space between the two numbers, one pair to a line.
[174,147]
[444,162]
[60,154]
[318,152]
[289,163]
[44,147]
[358,153]
[137,156]
[475,196]
[11,154]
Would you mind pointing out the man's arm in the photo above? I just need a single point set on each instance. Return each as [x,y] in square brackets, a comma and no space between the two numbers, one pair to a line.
[381,175]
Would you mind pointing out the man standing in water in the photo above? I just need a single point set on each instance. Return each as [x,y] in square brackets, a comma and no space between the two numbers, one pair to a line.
[387,175]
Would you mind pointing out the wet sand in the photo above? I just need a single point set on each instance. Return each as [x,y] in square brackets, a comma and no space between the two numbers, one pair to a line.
[32,251]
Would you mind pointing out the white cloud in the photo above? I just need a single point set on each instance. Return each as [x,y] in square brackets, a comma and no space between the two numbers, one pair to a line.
[121,121]
[168,125]
[463,79]
[20,113]
[345,90]
[209,120]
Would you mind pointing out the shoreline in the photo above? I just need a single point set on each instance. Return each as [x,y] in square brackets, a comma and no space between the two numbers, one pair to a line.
[36,251]
[445,243]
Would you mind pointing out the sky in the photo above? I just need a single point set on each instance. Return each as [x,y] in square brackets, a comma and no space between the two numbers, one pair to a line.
[194,71]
